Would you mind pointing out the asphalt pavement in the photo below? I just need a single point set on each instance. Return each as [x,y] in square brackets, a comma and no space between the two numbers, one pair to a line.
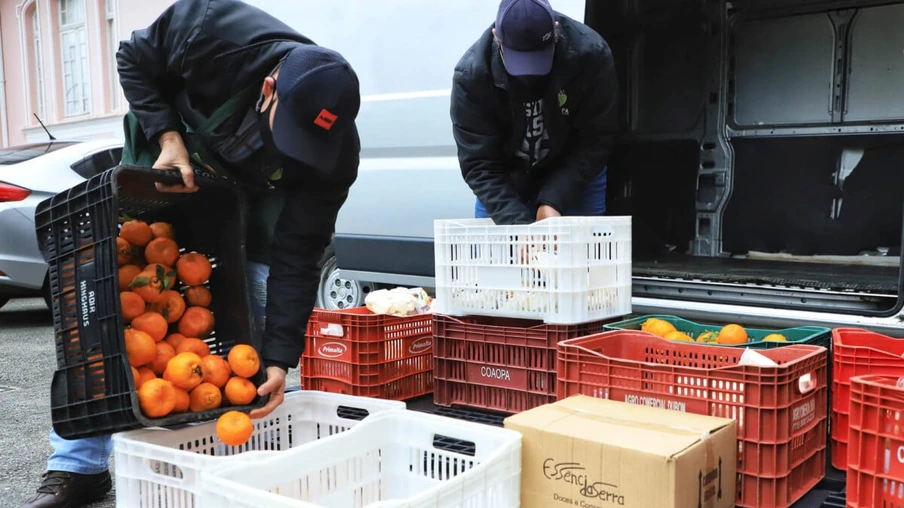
[27,362]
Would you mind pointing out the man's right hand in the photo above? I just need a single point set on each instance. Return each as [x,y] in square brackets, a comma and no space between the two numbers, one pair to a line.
[174,156]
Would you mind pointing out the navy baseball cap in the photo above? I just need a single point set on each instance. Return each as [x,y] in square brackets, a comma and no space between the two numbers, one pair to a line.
[527,31]
[319,98]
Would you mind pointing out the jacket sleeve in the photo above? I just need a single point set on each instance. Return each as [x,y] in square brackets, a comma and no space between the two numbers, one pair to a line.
[480,154]
[150,65]
[303,231]
[595,125]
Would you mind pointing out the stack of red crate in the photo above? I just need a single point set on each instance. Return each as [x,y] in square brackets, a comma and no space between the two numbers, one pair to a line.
[857,352]
[875,453]
[781,411]
[357,352]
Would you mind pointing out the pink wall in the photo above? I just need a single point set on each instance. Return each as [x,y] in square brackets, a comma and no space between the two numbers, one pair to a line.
[20,76]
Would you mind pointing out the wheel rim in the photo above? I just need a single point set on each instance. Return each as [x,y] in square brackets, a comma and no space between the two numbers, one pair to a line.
[337,293]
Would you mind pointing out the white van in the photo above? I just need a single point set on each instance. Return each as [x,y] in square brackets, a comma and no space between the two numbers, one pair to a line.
[760,150]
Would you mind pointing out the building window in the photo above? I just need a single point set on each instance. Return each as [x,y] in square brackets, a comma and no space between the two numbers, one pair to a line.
[39,65]
[112,47]
[74,52]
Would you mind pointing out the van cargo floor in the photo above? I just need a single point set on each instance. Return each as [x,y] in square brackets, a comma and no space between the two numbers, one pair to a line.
[875,279]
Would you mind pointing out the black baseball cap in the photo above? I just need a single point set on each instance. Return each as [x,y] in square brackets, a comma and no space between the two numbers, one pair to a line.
[526,29]
[319,98]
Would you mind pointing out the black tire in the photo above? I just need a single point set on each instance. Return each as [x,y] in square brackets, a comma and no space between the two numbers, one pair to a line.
[45,292]
[3,301]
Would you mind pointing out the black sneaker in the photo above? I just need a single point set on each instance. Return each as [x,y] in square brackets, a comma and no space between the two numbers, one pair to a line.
[60,489]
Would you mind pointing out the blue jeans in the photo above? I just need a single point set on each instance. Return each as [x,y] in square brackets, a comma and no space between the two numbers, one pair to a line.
[592,201]
[91,455]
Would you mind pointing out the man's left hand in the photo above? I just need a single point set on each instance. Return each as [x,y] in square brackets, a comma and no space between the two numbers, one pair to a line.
[546,211]
[276,387]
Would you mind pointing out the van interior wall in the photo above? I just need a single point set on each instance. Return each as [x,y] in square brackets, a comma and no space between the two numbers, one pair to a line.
[784,192]
[656,183]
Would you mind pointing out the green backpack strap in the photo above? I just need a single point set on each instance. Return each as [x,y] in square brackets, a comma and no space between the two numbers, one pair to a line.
[138,151]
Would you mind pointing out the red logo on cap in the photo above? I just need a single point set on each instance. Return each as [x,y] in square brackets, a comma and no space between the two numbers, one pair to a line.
[325,120]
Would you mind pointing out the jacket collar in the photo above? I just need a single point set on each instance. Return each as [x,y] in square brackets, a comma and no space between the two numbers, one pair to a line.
[565,63]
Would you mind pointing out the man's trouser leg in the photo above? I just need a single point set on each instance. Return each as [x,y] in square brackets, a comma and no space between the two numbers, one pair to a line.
[83,456]
[592,202]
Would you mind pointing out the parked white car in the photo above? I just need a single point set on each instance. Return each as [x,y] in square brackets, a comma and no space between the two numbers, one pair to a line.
[29,174]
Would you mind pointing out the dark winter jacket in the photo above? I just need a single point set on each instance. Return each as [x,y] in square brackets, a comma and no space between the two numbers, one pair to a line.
[194,57]
[580,116]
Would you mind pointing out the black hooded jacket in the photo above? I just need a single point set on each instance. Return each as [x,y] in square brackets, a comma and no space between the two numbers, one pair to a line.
[489,124]
[192,59]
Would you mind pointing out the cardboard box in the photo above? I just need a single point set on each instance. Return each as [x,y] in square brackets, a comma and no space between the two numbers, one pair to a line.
[595,453]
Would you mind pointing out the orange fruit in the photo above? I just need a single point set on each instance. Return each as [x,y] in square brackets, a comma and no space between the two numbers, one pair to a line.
[657,327]
[193,345]
[198,296]
[162,230]
[157,398]
[135,375]
[165,353]
[153,281]
[183,401]
[132,306]
[679,336]
[205,397]
[127,273]
[174,339]
[136,232]
[152,324]
[732,334]
[216,370]
[775,337]
[162,251]
[144,375]
[140,347]
[171,307]
[123,251]
[196,322]
[234,428]
[193,268]
[239,391]
[184,370]
[243,360]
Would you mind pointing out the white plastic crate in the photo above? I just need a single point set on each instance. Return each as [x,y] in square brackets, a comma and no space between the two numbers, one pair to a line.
[563,270]
[159,468]
[394,459]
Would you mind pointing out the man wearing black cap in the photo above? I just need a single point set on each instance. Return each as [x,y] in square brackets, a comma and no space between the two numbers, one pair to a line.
[222,85]
[534,114]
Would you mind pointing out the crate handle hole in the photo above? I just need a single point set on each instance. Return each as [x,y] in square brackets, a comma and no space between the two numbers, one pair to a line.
[807,383]
[454,445]
[165,469]
[352,413]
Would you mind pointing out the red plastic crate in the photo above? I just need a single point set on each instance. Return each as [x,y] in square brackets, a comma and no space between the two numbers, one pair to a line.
[357,352]
[875,473]
[781,411]
[857,352]
[500,364]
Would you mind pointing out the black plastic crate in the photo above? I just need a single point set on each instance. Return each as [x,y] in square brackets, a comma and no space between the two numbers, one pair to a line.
[92,392]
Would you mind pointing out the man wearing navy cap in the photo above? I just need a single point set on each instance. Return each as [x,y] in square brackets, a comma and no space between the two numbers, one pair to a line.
[226,87]
[534,112]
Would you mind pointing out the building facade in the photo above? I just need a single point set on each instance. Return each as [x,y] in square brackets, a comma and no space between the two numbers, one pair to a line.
[58,62]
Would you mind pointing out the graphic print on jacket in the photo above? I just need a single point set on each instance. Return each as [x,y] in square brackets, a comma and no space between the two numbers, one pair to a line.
[535,146]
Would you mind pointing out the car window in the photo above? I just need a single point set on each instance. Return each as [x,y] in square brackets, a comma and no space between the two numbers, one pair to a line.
[97,162]
[22,153]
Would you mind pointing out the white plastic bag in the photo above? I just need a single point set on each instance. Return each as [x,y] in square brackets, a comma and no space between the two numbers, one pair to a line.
[399,301]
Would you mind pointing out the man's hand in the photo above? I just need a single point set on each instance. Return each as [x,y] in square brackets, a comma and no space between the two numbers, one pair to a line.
[546,211]
[276,387]
[174,156]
